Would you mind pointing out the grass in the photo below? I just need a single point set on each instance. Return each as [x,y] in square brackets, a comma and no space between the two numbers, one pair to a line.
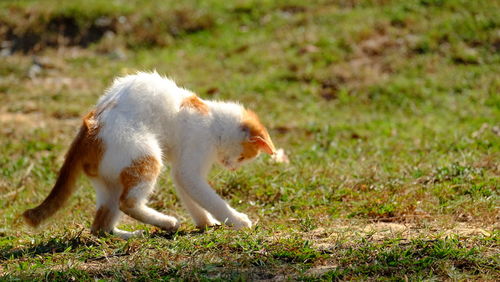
[388,110]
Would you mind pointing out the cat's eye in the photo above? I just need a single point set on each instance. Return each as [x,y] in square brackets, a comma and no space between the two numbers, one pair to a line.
[245,129]
[240,159]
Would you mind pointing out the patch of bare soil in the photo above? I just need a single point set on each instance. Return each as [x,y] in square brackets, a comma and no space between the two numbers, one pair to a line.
[325,238]
[56,84]
[24,123]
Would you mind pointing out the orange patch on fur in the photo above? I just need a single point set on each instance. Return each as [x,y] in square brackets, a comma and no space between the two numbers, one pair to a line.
[195,103]
[101,220]
[31,217]
[91,147]
[250,150]
[252,123]
[143,169]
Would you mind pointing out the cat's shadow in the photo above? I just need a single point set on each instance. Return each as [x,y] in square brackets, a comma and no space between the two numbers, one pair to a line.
[67,243]
[52,246]
[171,235]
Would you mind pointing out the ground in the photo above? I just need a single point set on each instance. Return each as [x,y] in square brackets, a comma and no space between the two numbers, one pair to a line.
[389,111]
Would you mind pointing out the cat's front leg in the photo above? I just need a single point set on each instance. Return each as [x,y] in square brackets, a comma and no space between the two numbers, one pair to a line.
[200,191]
[201,217]
[242,221]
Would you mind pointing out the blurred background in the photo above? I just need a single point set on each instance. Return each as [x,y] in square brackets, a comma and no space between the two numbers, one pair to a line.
[389,110]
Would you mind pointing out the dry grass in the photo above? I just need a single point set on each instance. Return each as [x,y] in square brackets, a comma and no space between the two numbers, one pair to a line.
[388,111]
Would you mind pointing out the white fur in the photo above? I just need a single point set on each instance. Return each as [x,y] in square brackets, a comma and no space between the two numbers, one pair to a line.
[141,115]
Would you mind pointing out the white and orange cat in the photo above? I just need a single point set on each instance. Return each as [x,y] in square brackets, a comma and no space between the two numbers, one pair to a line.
[142,120]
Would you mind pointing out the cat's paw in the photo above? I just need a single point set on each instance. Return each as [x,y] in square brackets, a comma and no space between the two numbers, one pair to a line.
[138,234]
[170,223]
[206,224]
[206,221]
[127,234]
[240,221]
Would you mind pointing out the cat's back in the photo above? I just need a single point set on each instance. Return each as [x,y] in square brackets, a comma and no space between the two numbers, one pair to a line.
[143,90]
[143,97]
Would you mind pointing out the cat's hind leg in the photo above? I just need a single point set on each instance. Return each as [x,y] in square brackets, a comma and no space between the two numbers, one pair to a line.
[108,211]
[138,180]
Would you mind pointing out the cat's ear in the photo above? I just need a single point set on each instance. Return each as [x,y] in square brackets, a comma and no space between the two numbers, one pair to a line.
[263,144]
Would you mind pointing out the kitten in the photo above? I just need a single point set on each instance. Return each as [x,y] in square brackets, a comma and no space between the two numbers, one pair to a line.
[142,120]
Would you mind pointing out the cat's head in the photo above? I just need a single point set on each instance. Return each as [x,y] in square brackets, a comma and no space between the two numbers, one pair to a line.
[254,139]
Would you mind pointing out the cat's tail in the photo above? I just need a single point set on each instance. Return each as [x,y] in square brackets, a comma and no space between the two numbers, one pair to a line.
[65,184]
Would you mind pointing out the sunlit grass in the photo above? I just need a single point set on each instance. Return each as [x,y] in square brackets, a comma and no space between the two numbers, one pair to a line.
[388,110]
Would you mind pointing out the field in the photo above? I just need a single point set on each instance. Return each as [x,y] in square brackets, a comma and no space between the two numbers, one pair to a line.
[389,111]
